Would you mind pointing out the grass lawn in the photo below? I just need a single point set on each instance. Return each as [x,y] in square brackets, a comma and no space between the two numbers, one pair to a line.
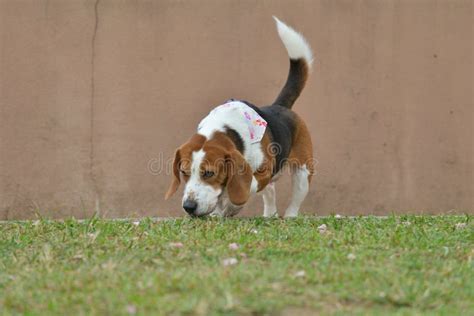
[400,265]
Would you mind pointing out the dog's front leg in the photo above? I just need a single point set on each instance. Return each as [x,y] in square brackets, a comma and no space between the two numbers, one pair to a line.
[269,200]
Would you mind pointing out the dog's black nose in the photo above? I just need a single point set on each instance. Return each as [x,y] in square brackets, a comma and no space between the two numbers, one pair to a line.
[190,206]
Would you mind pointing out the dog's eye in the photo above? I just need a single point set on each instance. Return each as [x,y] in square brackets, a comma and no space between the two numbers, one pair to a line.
[207,174]
[184,173]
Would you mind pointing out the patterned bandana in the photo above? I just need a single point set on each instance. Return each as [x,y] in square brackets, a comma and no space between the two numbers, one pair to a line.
[255,123]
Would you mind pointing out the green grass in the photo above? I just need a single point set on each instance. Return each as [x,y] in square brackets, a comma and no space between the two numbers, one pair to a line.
[399,265]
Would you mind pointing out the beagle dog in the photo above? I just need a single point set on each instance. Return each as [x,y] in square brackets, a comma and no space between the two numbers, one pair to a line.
[240,149]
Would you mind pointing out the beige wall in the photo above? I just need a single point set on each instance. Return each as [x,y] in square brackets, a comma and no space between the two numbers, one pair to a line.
[93,93]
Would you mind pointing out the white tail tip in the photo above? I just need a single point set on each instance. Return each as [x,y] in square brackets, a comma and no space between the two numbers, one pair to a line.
[295,43]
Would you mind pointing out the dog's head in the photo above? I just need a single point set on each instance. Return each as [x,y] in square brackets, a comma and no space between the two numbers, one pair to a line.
[208,168]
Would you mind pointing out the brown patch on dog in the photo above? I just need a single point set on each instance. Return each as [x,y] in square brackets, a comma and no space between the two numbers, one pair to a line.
[263,175]
[239,178]
[182,162]
[220,139]
[214,161]
[302,150]
[230,167]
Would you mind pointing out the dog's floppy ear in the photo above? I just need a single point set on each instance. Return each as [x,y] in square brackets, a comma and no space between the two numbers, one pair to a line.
[239,178]
[176,179]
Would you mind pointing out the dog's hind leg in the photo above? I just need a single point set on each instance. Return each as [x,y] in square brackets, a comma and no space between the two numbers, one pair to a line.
[300,186]
[269,200]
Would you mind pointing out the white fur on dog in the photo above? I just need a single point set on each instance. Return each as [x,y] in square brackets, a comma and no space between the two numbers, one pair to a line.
[196,189]
[269,200]
[300,187]
[295,43]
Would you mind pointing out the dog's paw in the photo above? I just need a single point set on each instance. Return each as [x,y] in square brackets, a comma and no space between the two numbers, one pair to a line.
[216,213]
[270,214]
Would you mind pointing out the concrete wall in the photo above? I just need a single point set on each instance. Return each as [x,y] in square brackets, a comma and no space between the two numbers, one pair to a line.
[94,94]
